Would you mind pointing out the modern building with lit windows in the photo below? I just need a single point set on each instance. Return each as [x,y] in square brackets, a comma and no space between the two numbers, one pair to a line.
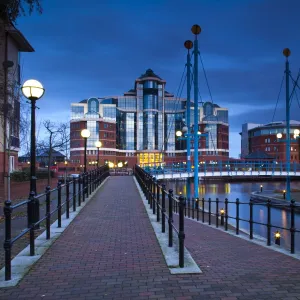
[263,139]
[140,126]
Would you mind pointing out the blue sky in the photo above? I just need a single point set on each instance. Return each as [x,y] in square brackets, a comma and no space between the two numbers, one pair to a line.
[98,48]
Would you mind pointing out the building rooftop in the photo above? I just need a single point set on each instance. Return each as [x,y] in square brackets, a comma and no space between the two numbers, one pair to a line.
[259,155]
[149,73]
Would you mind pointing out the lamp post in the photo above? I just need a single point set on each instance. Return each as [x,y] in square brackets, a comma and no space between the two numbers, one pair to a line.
[85,133]
[98,144]
[33,91]
[196,29]
[66,164]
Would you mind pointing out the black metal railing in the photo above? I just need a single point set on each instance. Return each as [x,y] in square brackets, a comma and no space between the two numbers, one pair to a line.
[152,191]
[81,187]
[202,209]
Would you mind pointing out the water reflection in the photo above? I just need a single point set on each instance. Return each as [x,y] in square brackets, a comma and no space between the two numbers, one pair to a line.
[242,191]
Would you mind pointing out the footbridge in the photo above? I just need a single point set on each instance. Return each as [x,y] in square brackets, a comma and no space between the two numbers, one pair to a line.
[223,169]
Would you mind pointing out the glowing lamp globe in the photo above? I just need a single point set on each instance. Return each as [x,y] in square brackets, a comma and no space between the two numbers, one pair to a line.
[98,144]
[85,133]
[32,89]
[296,132]
[120,164]
[279,135]
[178,133]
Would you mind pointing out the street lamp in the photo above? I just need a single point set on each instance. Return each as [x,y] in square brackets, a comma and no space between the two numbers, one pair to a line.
[98,144]
[85,133]
[33,91]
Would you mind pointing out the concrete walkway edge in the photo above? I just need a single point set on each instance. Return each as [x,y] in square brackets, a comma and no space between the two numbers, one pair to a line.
[171,254]
[23,262]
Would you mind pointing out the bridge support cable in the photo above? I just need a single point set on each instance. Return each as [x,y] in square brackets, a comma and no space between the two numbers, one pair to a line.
[278,98]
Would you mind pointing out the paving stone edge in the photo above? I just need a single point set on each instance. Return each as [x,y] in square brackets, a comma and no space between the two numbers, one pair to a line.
[170,254]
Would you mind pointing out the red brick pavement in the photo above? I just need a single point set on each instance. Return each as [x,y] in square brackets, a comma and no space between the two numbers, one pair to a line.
[110,252]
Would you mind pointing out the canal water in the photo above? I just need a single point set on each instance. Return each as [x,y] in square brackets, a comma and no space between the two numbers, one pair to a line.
[242,190]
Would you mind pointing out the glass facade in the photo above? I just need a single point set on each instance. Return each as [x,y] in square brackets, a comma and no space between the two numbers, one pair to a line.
[126,130]
[77,112]
[93,127]
[109,112]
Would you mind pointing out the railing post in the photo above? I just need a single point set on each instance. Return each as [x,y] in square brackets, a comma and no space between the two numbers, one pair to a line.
[91,181]
[189,208]
[68,199]
[209,211]
[237,229]
[217,212]
[59,204]
[251,220]
[48,215]
[7,243]
[170,220]
[79,190]
[74,194]
[226,214]
[32,226]
[150,191]
[181,234]
[197,207]
[203,210]
[36,212]
[157,204]
[269,222]
[86,184]
[292,229]
[193,208]
[83,187]
[153,195]
[163,211]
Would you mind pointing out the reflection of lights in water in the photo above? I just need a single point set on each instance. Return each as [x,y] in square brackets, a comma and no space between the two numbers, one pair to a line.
[202,189]
[214,188]
[227,188]
[261,215]
[284,218]
[184,189]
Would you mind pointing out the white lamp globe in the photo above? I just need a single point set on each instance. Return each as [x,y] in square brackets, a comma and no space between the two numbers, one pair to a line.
[279,135]
[85,133]
[98,144]
[296,132]
[178,133]
[32,89]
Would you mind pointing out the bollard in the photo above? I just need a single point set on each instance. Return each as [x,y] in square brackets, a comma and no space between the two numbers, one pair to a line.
[74,194]
[277,238]
[193,208]
[79,190]
[197,207]
[163,206]
[222,213]
[68,199]
[7,243]
[48,214]
[181,234]
[59,204]
[284,192]
[170,220]
[269,222]
[261,188]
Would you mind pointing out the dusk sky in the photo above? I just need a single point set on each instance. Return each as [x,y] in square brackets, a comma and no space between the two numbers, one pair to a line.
[99,47]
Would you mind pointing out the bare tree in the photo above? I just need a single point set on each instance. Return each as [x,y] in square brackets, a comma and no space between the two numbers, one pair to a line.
[12,9]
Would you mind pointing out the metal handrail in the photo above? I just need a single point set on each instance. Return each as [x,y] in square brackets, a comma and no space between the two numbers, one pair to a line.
[86,182]
[152,191]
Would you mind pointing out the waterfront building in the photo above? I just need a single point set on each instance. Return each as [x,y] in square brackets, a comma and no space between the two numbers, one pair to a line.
[140,126]
[257,138]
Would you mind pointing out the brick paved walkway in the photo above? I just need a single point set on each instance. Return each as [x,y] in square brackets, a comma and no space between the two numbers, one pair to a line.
[110,252]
